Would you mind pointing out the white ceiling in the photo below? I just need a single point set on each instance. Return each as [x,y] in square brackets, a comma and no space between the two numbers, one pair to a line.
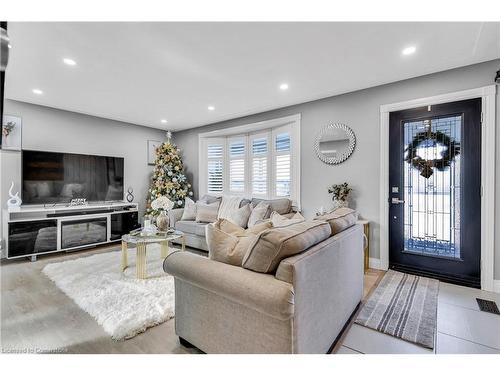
[143,72]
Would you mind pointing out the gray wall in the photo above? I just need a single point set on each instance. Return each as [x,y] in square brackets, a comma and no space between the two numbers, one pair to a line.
[359,110]
[51,129]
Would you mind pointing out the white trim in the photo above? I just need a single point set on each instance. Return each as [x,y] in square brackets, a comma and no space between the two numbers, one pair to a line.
[374,263]
[487,94]
[496,286]
[293,121]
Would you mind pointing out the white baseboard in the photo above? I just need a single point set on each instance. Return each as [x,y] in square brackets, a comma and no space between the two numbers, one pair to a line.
[496,286]
[374,263]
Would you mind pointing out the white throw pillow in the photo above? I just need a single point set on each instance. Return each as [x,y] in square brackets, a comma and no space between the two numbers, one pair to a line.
[280,221]
[259,212]
[189,212]
[240,216]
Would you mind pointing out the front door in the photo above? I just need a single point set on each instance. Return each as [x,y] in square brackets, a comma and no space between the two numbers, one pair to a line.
[435,191]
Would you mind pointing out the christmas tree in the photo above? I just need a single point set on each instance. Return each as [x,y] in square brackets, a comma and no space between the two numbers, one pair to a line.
[168,177]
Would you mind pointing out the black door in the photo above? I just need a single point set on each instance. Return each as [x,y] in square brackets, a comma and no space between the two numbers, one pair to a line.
[435,191]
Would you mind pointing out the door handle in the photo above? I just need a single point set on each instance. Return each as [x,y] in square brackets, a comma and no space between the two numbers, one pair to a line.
[397,201]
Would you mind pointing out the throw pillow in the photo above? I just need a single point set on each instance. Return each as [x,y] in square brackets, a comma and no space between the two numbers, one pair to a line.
[259,212]
[206,213]
[189,212]
[273,245]
[228,243]
[280,221]
[340,219]
[240,216]
[228,205]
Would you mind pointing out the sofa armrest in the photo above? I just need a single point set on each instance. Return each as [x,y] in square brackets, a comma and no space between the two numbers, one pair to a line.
[257,291]
[328,285]
[175,215]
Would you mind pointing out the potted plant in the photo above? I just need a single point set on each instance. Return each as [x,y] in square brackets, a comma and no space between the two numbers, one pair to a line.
[340,194]
[162,205]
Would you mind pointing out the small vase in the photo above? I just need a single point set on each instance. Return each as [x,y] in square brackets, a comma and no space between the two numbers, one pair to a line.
[337,203]
[162,221]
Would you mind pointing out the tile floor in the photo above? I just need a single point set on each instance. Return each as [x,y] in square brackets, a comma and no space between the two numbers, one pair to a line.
[461,328]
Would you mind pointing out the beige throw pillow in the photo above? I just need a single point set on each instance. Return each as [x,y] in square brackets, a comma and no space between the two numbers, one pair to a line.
[340,219]
[206,213]
[280,221]
[228,243]
[259,213]
[273,245]
[189,212]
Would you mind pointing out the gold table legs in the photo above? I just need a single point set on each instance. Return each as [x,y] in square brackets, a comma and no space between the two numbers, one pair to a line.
[124,255]
[141,256]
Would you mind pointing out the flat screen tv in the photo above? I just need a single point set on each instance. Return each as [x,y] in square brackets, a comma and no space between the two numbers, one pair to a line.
[55,177]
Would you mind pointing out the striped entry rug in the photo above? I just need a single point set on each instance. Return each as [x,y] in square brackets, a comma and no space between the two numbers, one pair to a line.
[404,306]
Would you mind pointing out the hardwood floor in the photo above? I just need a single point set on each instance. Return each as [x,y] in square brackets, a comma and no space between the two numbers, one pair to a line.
[36,316]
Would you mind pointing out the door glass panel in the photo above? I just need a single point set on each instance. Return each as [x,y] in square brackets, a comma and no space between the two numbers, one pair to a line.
[432,186]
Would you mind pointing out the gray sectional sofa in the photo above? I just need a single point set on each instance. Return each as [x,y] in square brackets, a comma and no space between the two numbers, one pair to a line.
[302,307]
[194,232]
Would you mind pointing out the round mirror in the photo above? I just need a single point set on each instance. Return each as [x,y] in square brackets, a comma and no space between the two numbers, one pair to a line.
[335,143]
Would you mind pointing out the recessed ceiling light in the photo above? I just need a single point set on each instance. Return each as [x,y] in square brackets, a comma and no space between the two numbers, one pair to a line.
[211,108]
[163,121]
[409,50]
[284,86]
[69,61]
[37,91]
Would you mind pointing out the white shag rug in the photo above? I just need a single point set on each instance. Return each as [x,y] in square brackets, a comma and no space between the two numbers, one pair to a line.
[123,305]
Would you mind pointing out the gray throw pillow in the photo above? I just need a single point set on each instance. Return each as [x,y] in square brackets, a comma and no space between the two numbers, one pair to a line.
[240,216]
[189,212]
[207,213]
[259,212]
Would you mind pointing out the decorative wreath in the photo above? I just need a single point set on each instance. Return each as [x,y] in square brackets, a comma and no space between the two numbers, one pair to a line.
[452,149]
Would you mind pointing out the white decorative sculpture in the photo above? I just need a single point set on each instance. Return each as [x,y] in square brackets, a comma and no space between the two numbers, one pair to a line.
[14,202]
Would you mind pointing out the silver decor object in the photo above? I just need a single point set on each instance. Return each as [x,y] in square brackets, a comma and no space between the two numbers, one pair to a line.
[335,143]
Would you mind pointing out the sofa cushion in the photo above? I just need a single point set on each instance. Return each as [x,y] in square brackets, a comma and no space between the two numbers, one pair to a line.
[207,199]
[275,244]
[207,213]
[189,212]
[279,221]
[191,227]
[280,205]
[340,219]
[259,212]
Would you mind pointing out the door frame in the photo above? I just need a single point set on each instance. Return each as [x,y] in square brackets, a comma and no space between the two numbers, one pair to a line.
[488,107]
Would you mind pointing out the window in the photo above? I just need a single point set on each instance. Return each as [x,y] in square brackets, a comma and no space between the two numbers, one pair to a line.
[259,161]
[253,160]
[215,165]
[283,164]
[237,156]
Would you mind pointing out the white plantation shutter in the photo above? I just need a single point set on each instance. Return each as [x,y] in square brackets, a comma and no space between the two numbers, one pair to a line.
[237,158]
[259,161]
[215,168]
[282,164]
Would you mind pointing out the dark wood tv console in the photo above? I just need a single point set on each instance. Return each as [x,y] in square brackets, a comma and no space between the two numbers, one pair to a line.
[37,230]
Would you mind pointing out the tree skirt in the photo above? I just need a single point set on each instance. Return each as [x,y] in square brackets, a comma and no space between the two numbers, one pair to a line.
[121,304]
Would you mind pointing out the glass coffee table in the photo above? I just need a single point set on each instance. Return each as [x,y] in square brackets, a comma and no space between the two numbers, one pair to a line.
[141,238]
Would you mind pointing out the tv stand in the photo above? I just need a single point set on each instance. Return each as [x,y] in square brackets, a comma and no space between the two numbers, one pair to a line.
[37,230]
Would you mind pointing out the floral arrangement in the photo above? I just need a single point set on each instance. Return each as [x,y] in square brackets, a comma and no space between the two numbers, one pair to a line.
[168,179]
[162,203]
[340,191]
[8,127]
